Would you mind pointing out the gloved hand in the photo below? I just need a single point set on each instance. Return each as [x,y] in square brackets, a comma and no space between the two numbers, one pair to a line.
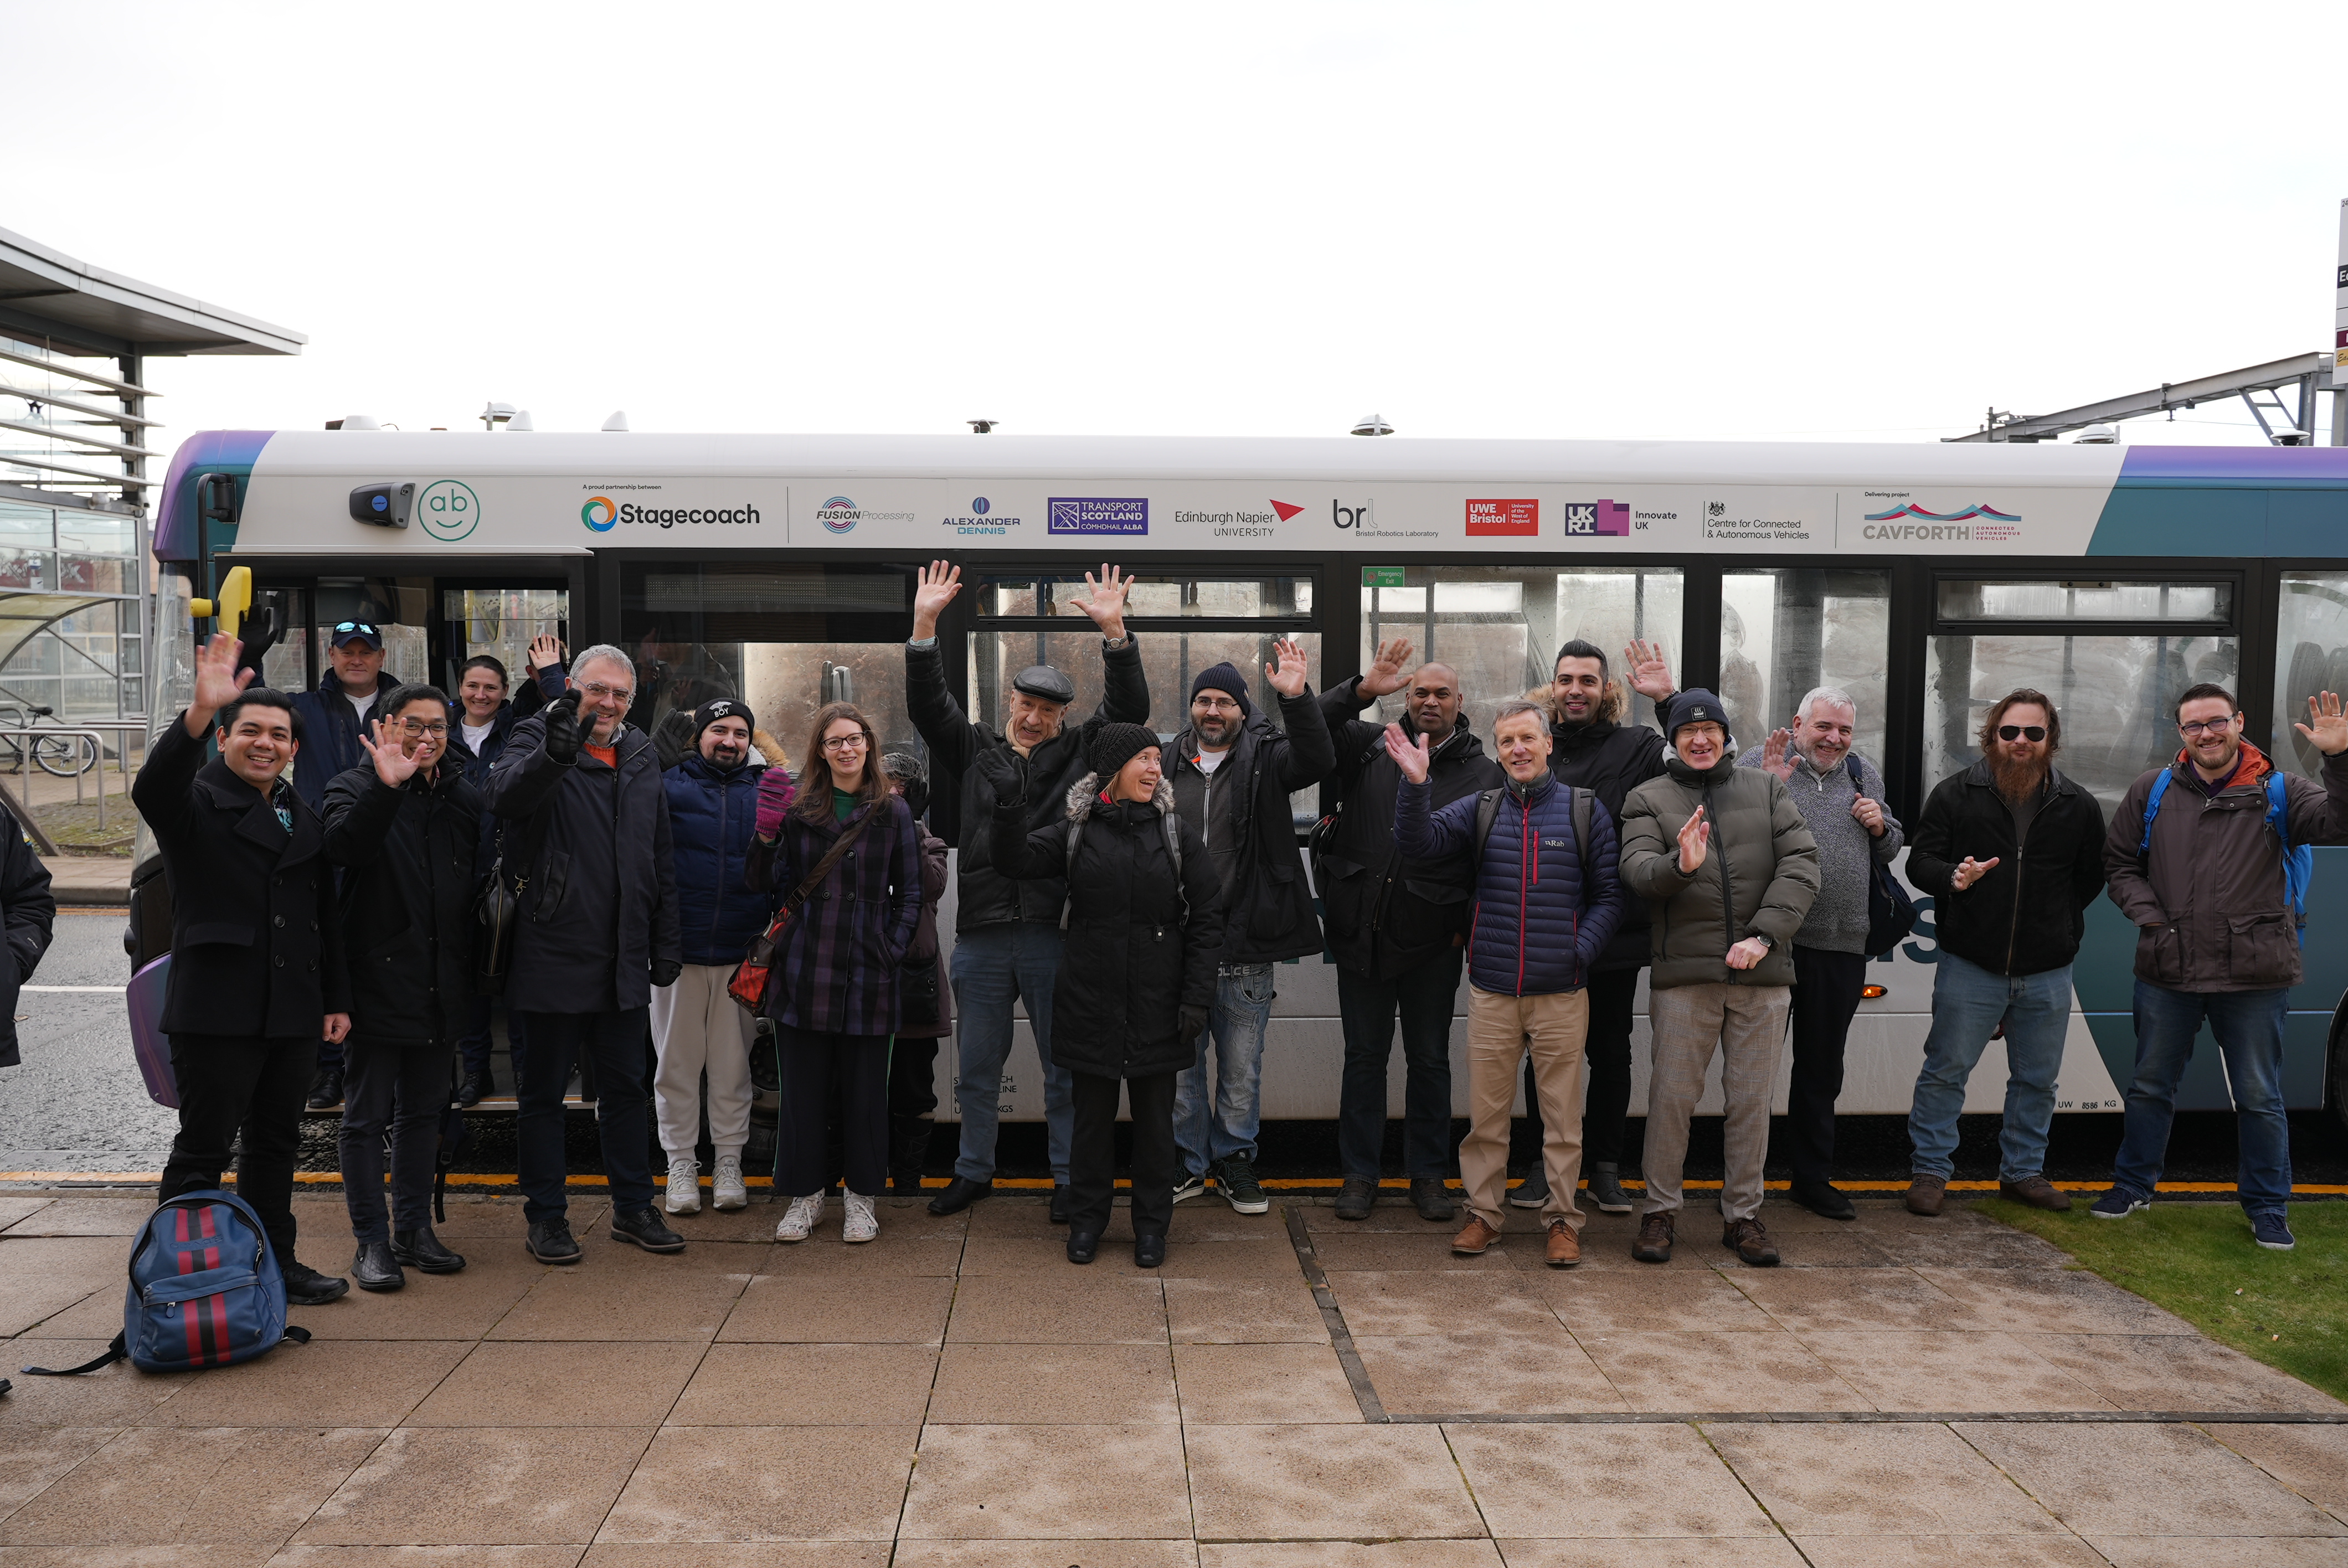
[665,971]
[562,728]
[1005,773]
[775,792]
[1193,1021]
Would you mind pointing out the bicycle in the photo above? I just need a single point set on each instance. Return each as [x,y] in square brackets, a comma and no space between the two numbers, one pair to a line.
[59,757]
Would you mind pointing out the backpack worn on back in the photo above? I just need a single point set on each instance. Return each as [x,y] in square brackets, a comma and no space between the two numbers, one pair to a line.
[2298,859]
[1487,812]
[205,1291]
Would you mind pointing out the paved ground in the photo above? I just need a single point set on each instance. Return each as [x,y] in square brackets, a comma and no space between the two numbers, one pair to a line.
[957,1395]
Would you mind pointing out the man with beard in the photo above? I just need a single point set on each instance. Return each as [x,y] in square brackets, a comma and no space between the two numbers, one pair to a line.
[2013,853]
[1397,928]
[1593,748]
[2207,858]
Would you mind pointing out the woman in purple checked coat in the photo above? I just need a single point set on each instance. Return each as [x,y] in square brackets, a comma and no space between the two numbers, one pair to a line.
[833,993]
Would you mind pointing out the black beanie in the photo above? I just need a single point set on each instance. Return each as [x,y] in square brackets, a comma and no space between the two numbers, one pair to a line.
[1116,745]
[1693,706]
[709,712]
[1224,678]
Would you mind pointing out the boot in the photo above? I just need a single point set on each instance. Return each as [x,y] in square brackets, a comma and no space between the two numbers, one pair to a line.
[375,1268]
[477,1086]
[421,1250]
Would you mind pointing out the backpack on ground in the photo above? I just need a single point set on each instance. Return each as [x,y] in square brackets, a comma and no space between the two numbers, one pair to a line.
[205,1291]
[2298,859]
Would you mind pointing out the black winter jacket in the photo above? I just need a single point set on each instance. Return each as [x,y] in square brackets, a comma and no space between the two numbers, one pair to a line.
[1610,759]
[601,906]
[330,734]
[1387,913]
[2027,914]
[256,947]
[1267,902]
[984,897]
[28,911]
[409,858]
[1132,961]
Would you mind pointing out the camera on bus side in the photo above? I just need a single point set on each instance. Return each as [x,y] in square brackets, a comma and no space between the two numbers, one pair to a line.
[384,505]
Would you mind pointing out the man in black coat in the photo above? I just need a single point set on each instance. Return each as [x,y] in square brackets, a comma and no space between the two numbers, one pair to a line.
[1232,773]
[587,824]
[1397,928]
[28,911]
[405,829]
[1007,940]
[257,978]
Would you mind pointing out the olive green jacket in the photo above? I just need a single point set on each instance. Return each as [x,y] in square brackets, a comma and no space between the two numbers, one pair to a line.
[1760,873]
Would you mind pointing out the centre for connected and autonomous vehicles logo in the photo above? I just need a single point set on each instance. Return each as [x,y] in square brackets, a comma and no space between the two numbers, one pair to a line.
[599,514]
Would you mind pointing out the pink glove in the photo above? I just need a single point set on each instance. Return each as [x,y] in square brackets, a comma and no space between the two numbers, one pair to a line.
[776,790]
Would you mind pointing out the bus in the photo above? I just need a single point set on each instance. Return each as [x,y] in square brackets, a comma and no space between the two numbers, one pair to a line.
[1927,580]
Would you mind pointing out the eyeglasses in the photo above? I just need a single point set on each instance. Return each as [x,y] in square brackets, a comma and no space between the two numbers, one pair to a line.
[1215,704]
[2214,726]
[421,727]
[2021,731]
[597,689]
[845,743]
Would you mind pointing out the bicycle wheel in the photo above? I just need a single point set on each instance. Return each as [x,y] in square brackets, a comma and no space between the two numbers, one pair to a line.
[63,756]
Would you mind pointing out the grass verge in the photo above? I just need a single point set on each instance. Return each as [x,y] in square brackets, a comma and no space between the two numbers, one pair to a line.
[2288,1309]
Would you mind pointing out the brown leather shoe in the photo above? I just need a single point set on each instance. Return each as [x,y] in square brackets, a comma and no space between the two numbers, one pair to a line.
[1925,1192]
[1475,1237]
[1564,1245]
[1750,1240]
[2037,1191]
[1655,1243]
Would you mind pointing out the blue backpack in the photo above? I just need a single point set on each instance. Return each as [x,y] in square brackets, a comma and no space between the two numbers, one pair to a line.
[2298,859]
[205,1291]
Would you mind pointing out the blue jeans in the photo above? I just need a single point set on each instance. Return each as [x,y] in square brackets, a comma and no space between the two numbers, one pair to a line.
[1422,998]
[991,967]
[2249,1027]
[1968,1002]
[1211,1126]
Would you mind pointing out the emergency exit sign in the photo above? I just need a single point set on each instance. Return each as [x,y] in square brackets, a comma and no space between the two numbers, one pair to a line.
[1382,577]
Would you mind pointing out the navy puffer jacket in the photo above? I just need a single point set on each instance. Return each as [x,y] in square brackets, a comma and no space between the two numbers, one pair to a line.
[1536,929]
[710,819]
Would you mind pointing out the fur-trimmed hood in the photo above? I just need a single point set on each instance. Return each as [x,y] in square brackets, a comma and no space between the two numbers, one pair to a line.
[1085,793]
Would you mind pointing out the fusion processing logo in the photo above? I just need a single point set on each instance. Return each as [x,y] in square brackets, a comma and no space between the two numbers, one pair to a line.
[837,515]
[599,514]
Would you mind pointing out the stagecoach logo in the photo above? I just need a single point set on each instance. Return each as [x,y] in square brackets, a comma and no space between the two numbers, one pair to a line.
[839,514]
[1595,519]
[600,514]
[1979,522]
[981,520]
[450,510]
[1098,515]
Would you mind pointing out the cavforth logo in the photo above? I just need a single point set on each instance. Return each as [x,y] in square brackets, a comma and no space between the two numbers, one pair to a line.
[1098,515]
[1503,519]
[449,509]
[1976,511]
[600,514]
[1979,522]
[1597,518]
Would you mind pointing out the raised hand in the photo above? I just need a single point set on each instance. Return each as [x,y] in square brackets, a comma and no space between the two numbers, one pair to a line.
[1409,756]
[545,652]
[562,735]
[1777,754]
[1695,842]
[2330,729]
[933,589]
[1644,666]
[1385,674]
[1748,953]
[392,765]
[218,681]
[1969,871]
[1104,599]
[1287,677]
[776,793]
[1005,774]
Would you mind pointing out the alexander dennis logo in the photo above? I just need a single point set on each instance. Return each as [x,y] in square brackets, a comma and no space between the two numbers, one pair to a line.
[600,514]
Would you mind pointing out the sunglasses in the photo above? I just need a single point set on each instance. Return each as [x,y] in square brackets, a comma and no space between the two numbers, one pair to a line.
[2021,731]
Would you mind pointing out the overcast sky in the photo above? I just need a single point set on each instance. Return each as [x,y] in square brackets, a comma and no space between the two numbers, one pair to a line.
[1786,222]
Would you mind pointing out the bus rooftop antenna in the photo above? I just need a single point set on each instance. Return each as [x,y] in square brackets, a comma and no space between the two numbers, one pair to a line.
[1373,425]
[981,426]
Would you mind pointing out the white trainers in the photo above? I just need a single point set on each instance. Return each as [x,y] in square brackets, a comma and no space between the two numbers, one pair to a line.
[860,1224]
[800,1219]
[684,1185]
[725,1188]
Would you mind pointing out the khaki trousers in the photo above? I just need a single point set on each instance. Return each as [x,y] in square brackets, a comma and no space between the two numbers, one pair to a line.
[1500,1030]
[1747,1023]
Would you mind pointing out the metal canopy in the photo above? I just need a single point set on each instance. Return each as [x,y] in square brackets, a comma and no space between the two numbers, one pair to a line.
[76,308]
[2305,369]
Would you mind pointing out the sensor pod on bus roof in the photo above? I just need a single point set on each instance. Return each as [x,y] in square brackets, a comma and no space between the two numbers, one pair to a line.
[385,505]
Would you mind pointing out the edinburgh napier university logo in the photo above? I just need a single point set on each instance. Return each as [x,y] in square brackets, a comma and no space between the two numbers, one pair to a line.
[1503,519]
[1096,515]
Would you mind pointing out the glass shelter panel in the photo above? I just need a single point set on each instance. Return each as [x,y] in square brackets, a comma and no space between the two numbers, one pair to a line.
[1786,631]
[2310,656]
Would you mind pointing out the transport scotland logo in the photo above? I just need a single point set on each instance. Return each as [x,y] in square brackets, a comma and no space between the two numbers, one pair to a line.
[1096,515]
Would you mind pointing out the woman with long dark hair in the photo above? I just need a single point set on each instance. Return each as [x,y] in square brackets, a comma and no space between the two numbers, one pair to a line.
[834,991]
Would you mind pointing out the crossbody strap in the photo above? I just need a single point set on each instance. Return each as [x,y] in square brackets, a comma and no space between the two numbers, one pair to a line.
[831,857]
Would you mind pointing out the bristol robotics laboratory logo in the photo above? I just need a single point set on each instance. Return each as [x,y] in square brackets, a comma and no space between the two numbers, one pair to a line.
[599,514]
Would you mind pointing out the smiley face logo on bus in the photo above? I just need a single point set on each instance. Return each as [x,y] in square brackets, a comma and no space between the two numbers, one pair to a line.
[448,509]
[599,514]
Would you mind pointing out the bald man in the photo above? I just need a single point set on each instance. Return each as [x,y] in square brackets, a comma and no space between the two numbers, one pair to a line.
[1396,927]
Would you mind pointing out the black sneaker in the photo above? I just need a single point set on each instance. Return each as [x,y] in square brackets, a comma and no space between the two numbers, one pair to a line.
[550,1241]
[474,1090]
[2271,1231]
[1356,1197]
[1235,1178]
[325,1090]
[1606,1191]
[305,1286]
[1431,1198]
[1533,1191]
[959,1194]
[646,1229]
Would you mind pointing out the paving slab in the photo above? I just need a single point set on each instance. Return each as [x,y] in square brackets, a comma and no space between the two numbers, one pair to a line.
[1004,1385]
[1287,1482]
[1117,1482]
[536,1384]
[1662,1480]
[1241,1384]
[693,1485]
[2147,1479]
[151,1487]
[485,1486]
[808,1385]
[1877,1480]
[1704,1552]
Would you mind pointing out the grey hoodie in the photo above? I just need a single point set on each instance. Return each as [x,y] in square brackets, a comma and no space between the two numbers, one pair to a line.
[1837,922]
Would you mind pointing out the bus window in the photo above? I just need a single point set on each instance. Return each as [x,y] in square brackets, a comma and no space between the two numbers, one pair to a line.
[501,622]
[397,607]
[1784,631]
[2310,656]
[1499,627]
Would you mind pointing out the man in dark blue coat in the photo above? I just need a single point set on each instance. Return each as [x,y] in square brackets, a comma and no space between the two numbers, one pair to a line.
[697,1026]
[1546,905]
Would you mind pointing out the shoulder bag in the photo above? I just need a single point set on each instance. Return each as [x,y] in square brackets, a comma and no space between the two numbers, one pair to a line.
[755,970]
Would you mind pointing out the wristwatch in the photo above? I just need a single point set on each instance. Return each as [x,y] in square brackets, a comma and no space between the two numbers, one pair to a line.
[1108,643]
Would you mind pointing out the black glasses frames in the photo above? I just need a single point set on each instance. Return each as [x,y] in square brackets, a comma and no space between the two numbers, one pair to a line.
[2032,733]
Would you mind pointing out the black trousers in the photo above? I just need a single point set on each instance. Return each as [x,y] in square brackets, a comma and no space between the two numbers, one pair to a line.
[1422,998]
[1606,1104]
[1826,998]
[1092,1152]
[820,1072]
[404,1088]
[612,1051]
[232,1085]
[912,1103]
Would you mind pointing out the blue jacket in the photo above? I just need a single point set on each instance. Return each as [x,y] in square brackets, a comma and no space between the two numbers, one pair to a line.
[1536,929]
[711,815]
[330,736]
